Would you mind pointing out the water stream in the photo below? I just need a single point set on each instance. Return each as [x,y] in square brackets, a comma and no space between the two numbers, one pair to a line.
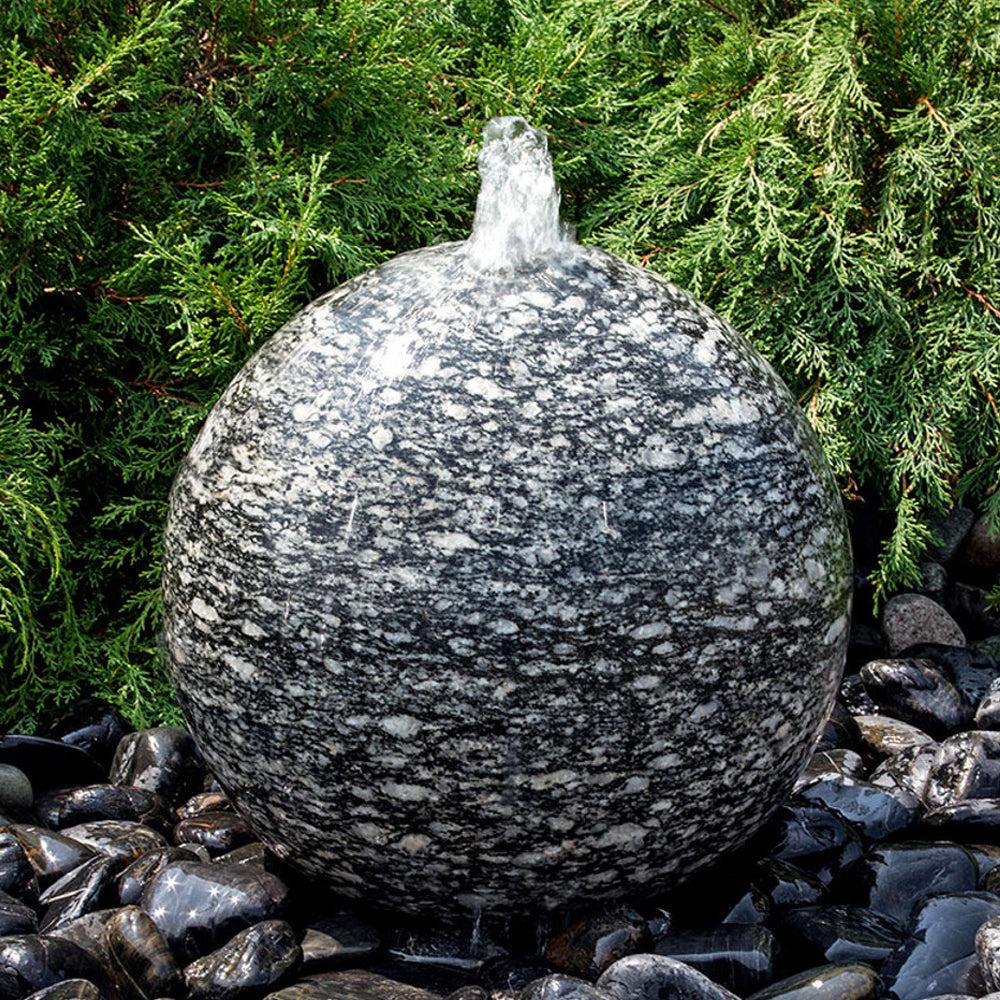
[517,223]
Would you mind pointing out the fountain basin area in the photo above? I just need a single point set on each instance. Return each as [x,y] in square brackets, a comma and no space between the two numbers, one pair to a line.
[125,874]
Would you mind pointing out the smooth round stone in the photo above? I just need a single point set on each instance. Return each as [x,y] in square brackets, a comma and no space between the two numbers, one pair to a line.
[30,962]
[965,766]
[560,987]
[908,619]
[115,838]
[838,933]
[68,989]
[218,831]
[197,907]
[737,956]
[916,691]
[87,803]
[252,961]
[17,876]
[16,917]
[813,837]
[140,961]
[559,546]
[852,981]
[133,879]
[875,812]
[351,984]
[16,794]
[86,888]
[939,955]
[164,761]
[50,763]
[50,854]
[93,726]
[657,977]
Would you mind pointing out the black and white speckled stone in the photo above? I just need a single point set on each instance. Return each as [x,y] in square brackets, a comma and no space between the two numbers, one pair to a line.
[505,588]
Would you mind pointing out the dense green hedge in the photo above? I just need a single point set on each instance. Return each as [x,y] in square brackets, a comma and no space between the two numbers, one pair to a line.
[177,179]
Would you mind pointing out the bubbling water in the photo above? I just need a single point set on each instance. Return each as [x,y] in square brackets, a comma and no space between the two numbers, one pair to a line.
[517,223]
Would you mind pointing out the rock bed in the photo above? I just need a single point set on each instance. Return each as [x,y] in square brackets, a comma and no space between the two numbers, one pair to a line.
[125,875]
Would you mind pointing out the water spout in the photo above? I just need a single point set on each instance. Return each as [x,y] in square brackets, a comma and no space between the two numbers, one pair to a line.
[517,223]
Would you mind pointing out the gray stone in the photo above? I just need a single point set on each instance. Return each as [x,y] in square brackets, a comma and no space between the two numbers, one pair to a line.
[982,546]
[908,619]
[950,530]
[657,977]
[886,736]
[851,981]
[16,794]
[505,587]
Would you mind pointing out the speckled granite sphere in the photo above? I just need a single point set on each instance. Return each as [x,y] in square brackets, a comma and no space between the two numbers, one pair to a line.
[505,588]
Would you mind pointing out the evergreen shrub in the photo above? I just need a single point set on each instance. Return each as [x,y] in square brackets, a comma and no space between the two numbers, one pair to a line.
[177,179]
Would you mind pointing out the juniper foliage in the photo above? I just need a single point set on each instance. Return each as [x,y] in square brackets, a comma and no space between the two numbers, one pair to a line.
[177,179]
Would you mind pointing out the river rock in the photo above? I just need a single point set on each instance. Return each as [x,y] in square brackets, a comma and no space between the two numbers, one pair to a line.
[988,710]
[939,955]
[218,831]
[87,887]
[30,962]
[813,837]
[656,977]
[967,821]
[837,933]
[250,962]
[17,876]
[588,947]
[351,984]
[204,802]
[16,917]
[197,906]
[786,885]
[875,812]
[884,736]
[49,763]
[916,691]
[907,771]
[490,484]
[892,879]
[73,806]
[561,987]
[851,981]
[140,961]
[965,766]
[981,551]
[93,726]
[50,854]
[116,838]
[164,761]
[908,619]
[133,879]
[16,793]
[737,956]
[949,532]
[68,989]
[337,938]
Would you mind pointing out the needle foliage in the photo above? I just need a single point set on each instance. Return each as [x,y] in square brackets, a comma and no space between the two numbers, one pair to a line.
[178,178]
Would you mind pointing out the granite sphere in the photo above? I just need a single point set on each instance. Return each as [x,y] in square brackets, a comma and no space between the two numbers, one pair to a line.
[505,590]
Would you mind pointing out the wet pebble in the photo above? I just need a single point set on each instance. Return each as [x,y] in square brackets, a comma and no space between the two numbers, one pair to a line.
[218,831]
[657,977]
[875,812]
[836,763]
[892,879]
[141,963]
[965,766]
[17,876]
[969,821]
[16,917]
[351,984]
[786,885]
[254,853]
[838,933]
[164,761]
[851,981]
[134,877]
[988,952]
[31,962]
[50,763]
[115,838]
[988,709]
[74,806]
[939,953]
[68,989]
[739,957]
[199,906]
[839,731]
[883,736]
[204,802]
[91,725]
[50,854]
[253,960]
[916,691]
[588,947]
[812,837]
[562,987]
[508,974]
[907,771]
[87,932]
[87,887]
[337,939]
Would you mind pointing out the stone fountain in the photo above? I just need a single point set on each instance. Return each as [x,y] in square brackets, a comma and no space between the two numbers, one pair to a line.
[505,575]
